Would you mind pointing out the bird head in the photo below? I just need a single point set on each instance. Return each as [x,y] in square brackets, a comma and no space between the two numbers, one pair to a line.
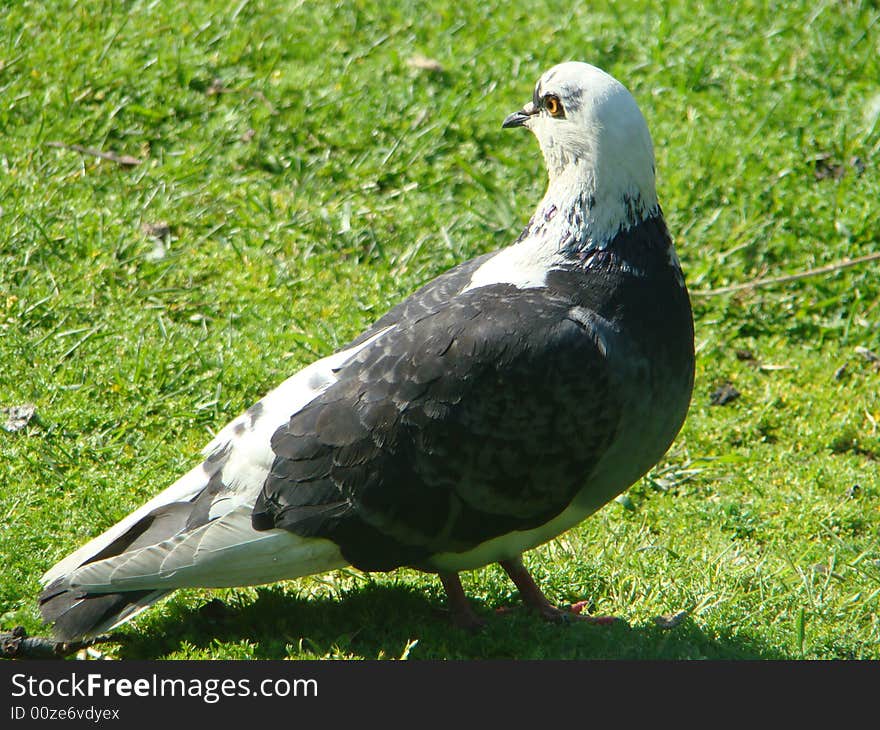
[592,134]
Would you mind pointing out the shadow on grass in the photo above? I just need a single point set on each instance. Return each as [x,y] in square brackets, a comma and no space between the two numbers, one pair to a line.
[380,621]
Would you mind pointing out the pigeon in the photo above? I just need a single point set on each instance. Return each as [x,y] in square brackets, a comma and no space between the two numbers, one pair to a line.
[495,408]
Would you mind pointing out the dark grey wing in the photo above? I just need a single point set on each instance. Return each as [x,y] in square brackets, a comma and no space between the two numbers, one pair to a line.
[429,298]
[480,418]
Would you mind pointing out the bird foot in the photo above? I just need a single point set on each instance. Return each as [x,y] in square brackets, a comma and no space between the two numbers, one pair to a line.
[574,612]
[534,599]
[469,621]
[564,614]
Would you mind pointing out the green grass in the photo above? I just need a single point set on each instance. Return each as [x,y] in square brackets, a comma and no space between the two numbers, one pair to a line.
[311,178]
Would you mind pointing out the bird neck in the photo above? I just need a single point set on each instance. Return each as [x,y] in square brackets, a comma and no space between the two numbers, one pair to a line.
[585,208]
[578,219]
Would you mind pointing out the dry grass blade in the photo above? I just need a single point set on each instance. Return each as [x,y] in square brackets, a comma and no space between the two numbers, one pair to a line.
[124,160]
[770,281]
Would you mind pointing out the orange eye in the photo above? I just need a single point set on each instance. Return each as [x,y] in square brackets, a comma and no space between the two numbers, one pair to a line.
[553,105]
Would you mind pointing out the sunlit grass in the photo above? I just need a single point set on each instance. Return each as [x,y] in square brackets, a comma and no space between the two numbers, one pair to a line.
[310,177]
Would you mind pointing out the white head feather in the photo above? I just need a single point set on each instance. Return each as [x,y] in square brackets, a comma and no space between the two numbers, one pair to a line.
[600,162]
[597,142]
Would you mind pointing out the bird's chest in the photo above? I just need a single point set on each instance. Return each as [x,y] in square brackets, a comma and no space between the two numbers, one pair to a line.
[649,349]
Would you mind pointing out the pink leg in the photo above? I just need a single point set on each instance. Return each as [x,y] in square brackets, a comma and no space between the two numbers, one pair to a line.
[459,606]
[534,598]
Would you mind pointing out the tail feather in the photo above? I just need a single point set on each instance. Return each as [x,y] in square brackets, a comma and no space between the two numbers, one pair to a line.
[187,488]
[77,615]
[104,592]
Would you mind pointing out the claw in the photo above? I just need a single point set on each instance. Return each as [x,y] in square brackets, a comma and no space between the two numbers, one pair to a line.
[460,609]
[537,601]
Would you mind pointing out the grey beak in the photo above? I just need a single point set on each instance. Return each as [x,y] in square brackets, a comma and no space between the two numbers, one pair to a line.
[518,119]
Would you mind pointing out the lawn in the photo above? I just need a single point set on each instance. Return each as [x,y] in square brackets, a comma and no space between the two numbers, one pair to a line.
[282,173]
